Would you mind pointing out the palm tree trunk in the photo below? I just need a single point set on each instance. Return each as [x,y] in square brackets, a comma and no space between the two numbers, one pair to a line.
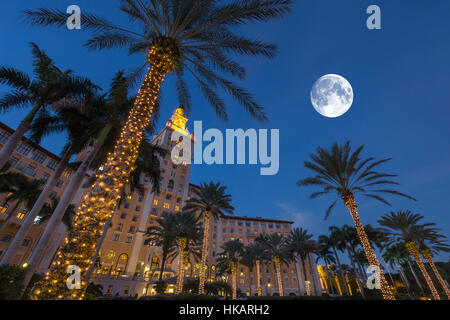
[100,201]
[56,217]
[330,282]
[311,269]
[14,140]
[201,286]
[340,270]
[414,251]
[37,207]
[277,263]
[258,278]
[181,246]
[429,257]
[233,280]
[361,289]
[308,288]
[416,277]
[100,241]
[163,264]
[349,201]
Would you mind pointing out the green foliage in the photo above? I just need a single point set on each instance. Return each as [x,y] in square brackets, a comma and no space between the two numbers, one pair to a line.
[10,282]
[93,291]
[289,297]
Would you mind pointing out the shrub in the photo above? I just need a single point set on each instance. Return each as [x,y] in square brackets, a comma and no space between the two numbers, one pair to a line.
[10,279]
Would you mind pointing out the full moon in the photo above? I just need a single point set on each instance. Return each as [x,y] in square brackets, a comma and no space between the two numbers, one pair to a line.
[332,95]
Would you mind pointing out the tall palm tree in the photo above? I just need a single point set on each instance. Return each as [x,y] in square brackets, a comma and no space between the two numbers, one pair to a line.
[49,208]
[228,261]
[254,254]
[301,244]
[277,248]
[177,36]
[49,86]
[404,226]
[163,235]
[21,191]
[332,243]
[324,253]
[340,171]
[345,235]
[189,233]
[63,119]
[210,200]
[431,241]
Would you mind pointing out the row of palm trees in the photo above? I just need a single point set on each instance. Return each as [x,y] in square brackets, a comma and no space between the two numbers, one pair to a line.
[92,121]
[391,239]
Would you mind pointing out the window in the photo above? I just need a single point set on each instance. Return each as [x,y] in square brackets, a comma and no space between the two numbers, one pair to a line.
[214,236]
[224,230]
[127,289]
[155,202]
[116,237]
[154,211]
[20,214]
[178,200]
[168,196]
[278,226]
[177,208]
[119,227]
[131,229]
[128,239]
[45,176]
[247,224]
[123,215]
[38,157]
[270,226]
[25,242]
[231,230]
[59,184]
[140,199]
[14,161]
[134,219]
[138,208]
[240,231]
[240,223]
[6,238]
[126,205]
[23,149]
[52,195]
[51,164]
[166,205]
[30,170]
[3,209]
[3,136]
[109,289]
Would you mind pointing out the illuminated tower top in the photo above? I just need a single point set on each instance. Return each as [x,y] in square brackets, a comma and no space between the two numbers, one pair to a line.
[178,121]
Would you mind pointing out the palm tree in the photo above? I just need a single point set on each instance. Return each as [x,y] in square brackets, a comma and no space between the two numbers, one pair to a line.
[301,244]
[345,235]
[254,254]
[228,261]
[163,235]
[189,232]
[50,86]
[332,243]
[277,248]
[323,252]
[45,124]
[404,226]
[209,200]
[49,208]
[176,36]
[396,255]
[21,190]
[99,119]
[345,173]
[430,241]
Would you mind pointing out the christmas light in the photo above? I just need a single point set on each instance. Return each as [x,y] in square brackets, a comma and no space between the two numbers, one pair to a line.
[201,287]
[413,250]
[349,201]
[100,201]
[429,257]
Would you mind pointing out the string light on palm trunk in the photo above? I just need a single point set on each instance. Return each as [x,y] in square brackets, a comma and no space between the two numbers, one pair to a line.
[201,287]
[412,248]
[100,201]
[426,253]
[277,263]
[350,202]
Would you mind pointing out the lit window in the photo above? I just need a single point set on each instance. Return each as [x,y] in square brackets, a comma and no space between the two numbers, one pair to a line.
[20,215]
[155,202]
[166,205]
[3,209]
[177,208]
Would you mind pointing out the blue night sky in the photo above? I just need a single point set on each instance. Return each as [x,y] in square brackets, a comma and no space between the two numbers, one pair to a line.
[401,107]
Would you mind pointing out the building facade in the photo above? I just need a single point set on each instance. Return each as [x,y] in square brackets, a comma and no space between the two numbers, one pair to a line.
[126,266]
